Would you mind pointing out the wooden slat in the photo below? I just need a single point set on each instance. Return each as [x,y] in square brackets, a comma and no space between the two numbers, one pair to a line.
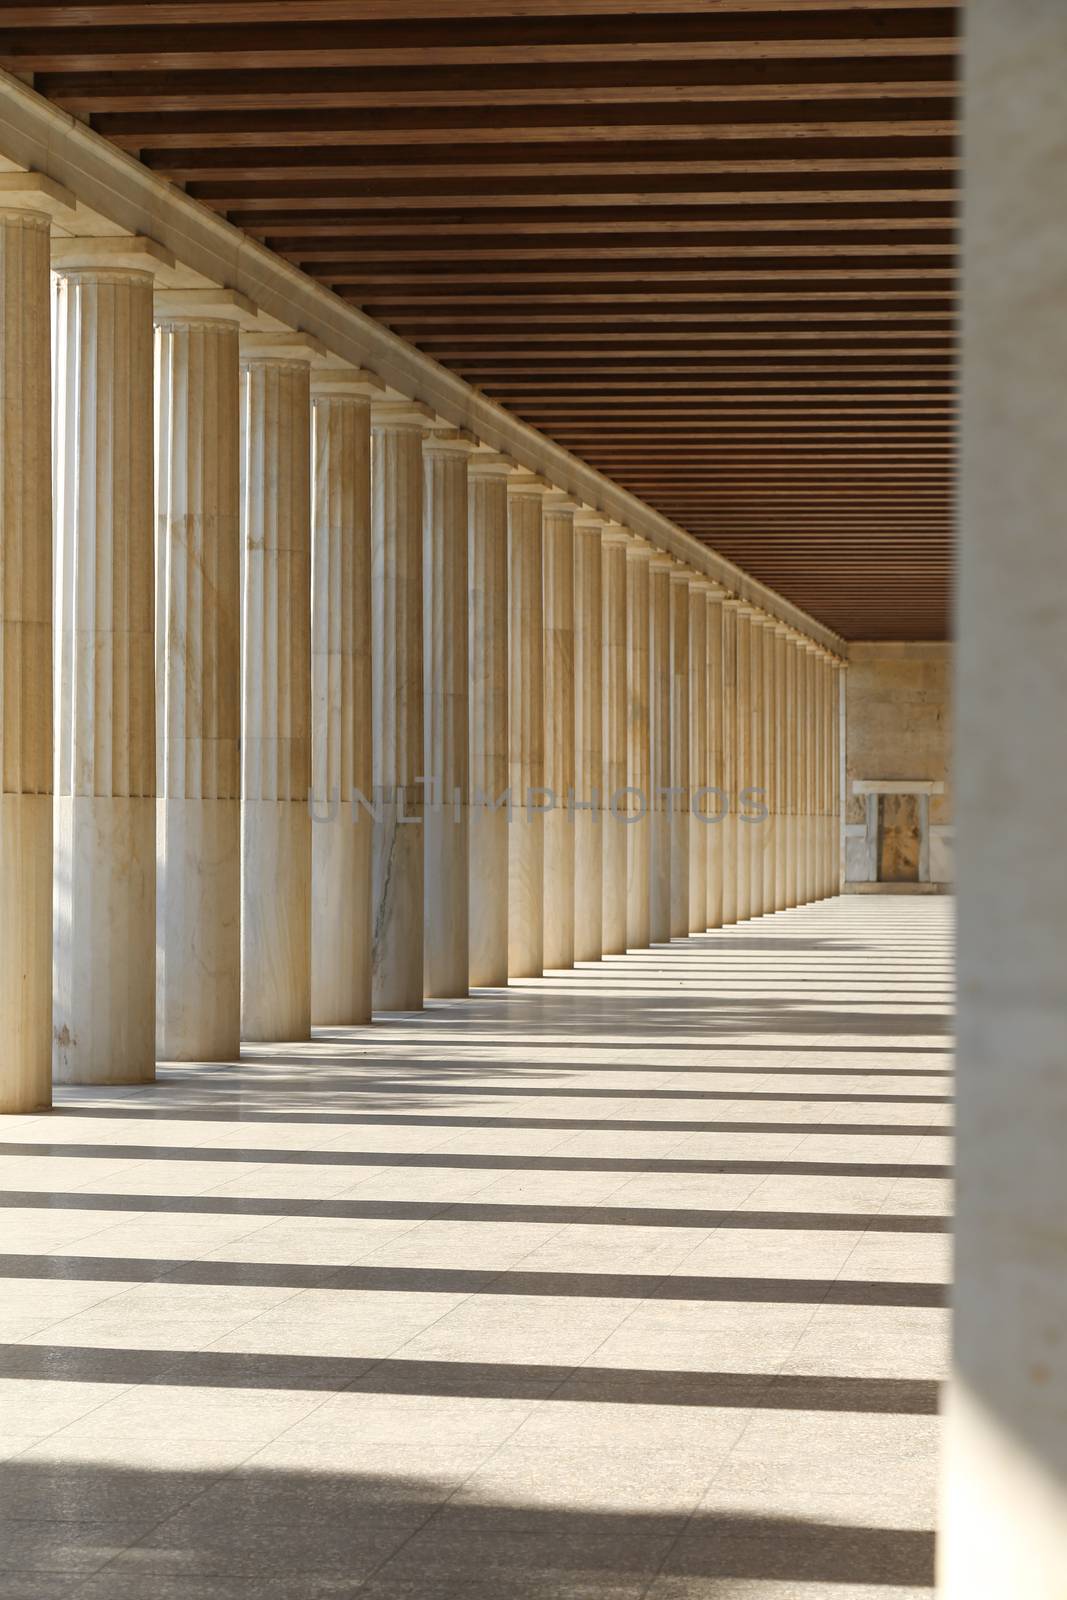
[708,245]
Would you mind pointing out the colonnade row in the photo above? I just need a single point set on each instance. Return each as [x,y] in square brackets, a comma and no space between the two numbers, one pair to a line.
[313,706]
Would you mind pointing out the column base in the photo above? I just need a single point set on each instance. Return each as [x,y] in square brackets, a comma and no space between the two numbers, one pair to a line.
[26,952]
[341,852]
[198,930]
[104,1022]
[275,921]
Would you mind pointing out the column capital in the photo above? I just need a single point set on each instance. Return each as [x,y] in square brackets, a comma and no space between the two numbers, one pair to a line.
[389,413]
[134,253]
[205,305]
[660,561]
[490,464]
[302,347]
[638,549]
[529,483]
[345,383]
[561,504]
[614,534]
[449,442]
[33,194]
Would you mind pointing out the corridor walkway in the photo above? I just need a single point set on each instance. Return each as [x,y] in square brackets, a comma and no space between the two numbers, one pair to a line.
[628,1282]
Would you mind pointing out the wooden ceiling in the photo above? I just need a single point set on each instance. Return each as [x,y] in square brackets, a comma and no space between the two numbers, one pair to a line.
[708,245]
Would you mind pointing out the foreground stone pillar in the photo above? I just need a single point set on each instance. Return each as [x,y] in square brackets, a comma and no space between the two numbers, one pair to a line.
[730,611]
[488,719]
[718,801]
[397,429]
[616,723]
[698,804]
[105,844]
[26,652]
[678,814]
[659,723]
[1004,1502]
[639,749]
[198,679]
[558,557]
[588,741]
[341,764]
[276,688]
[526,729]
[445,635]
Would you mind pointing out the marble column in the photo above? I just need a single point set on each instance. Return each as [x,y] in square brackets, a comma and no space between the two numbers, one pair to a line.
[659,724]
[275,687]
[698,804]
[1004,1490]
[635,806]
[198,678]
[105,822]
[26,654]
[616,721]
[397,428]
[487,476]
[718,802]
[791,738]
[526,728]
[446,958]
[837,848]
[813,768]
[802,757]
[557,536]
[757,804]
[678,811]
[341,763]
[588,740]
[730,618]
[770,768]
[743,767]
[781,777]
[824,776]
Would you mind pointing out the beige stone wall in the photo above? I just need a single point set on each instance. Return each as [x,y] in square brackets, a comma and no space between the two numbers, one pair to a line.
[899,719]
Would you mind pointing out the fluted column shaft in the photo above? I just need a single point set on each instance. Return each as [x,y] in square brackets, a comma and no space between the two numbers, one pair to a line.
[275,698]
[588,743]
[791,729]
[730,697]
[447,868]
[635,808]
[659,723]
[837,869]
[814,735]
[803,749]
[755,829]
[781,776]
[342,773]
[398,705]
[698,758]
[558,557]
[770,768]
[526,731]
[678,799]
[616,722]
[105,855]
[198,689]
[718,803]
[488,719]
[743,760]
[25,665]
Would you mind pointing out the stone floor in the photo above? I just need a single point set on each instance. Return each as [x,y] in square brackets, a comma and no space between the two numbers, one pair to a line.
[627,1282]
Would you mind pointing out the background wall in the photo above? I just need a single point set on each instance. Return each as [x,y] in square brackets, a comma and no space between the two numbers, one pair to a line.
[898,724]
